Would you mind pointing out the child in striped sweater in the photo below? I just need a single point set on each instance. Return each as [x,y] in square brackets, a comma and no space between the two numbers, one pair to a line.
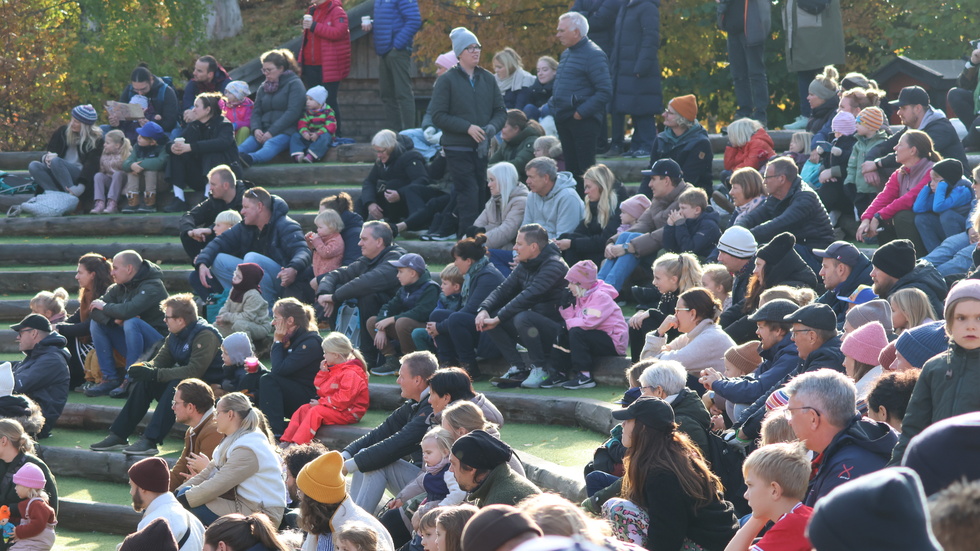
[316,128]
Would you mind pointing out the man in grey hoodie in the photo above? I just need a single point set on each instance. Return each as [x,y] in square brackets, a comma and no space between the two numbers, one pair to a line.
[553,202]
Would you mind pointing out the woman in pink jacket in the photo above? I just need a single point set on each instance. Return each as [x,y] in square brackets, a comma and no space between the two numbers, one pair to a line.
[596,326]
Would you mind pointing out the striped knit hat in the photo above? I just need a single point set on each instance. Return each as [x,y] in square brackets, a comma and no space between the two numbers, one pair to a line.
[872,117]
[85,114]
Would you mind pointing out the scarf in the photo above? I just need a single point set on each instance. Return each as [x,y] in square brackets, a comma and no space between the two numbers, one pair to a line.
[474,269]
[270,87]
[515,81]
[434,469]
[251,276]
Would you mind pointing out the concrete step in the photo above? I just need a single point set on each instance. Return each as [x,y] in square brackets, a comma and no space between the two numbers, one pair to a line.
[14,282]
[108,225]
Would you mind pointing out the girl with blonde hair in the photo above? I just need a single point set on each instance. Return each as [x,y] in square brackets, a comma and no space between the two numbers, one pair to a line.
[673,274]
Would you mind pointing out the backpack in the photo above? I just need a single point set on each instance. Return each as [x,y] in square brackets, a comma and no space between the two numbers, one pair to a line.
[349,322]
[12,184]
[726,462]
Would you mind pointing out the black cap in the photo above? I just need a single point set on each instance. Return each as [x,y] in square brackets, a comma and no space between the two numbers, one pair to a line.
[842,251]
[480,450]
[652,412]
[815,316]
[911,95]
[33,321]
[665,167]
[950,170]
[775,310]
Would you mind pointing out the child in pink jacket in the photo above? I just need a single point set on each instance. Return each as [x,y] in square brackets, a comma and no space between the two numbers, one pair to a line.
[595,323]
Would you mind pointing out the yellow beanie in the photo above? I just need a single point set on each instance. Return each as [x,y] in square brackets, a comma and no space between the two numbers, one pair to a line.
[321,479]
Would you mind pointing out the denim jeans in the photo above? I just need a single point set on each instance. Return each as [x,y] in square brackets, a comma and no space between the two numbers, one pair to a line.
[597,481]
[616,271]
[201,511]
[225,265]
[58,176]
[934,228]
[264,153]
[366,489]
[953,256]
[132,339]
[318,148]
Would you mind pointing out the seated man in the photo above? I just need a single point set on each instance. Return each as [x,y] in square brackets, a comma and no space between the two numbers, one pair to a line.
[553,202]
[192,349]
[268,237]
[193,406]
[43,373]
[376,459]
[825,419]
[842,267]
[479,462]
[684,141]
[149,483]
[371,280]
[524,309]
[197,225]
[895,268]
[127,318]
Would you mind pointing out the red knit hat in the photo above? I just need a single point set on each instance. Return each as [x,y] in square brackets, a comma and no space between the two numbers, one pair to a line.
[152,474]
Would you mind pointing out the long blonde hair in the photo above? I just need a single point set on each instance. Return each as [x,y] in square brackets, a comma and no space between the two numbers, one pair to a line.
[914,304]
[252,419]
[118,137]
[338,343]
[685,267]
[464,414]
[50,301]
[608,200]
[86,139]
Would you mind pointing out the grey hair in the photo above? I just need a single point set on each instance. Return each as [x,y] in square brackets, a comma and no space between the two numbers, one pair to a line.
[379,230]
[832,393]
[544,166]
[385,139]
[578,21]
[667,374]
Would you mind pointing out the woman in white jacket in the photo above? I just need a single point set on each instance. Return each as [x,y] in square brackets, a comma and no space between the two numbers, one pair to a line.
[702,343]
[244,476]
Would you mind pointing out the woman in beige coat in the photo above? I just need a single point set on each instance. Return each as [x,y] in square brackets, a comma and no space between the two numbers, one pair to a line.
[503,214]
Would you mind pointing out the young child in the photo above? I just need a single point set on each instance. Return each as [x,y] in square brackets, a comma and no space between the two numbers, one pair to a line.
[776,476]
[108,181]
[147,162]
[450,300]
[630,211]
[861,349]
[342,387]
[37,518]
[51,304]
[776,427]
[799,148]
[946,383]
[409,309]
[237,108]
[910,308]
[719,281]
[941,208]
[245,309]
[216,296]
[595,324]
[694,226]
[316,128]
[225,221]
[870,131]
[833,158]
[326,243]
[427,529]
[889,396]
[740,361]
[241,370]
[450,524]
[355,536]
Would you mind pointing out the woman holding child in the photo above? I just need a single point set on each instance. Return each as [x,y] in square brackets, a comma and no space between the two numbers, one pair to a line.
[279,103]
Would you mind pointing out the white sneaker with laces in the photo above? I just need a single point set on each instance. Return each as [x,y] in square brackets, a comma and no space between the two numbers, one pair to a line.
[538,376]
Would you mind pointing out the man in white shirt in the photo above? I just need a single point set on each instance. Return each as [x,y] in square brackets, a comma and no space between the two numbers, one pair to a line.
[149,485]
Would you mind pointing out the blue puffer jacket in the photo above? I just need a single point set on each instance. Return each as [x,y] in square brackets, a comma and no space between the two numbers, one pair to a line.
[395,24]
[286,244]
[582,83]
[777,362]
[635,60]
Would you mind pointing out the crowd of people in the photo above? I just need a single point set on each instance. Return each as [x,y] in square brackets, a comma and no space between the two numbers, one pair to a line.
[786,391]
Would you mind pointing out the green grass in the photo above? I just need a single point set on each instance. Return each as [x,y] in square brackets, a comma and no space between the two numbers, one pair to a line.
[82,439]
[85,541]
[566,446]
[83,489]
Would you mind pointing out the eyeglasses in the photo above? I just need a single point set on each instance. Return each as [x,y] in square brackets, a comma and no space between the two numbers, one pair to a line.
[813,409]
[166,317]
[682,309]
[175,402]
[795,331]
[473,49]
[266,70]
[773,176]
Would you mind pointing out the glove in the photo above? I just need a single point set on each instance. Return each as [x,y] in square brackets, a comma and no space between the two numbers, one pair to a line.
[819,150]
[835,151]
[139,371]
[432,135]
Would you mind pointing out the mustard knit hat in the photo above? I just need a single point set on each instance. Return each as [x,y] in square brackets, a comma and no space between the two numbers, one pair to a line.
[321,479]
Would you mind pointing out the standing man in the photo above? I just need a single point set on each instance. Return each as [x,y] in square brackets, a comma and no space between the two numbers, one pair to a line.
[635,65]
[581,92]
[814,39]
[395,24]
[149,483]
[193,405]
[469,108]
[197,224]
[747,23]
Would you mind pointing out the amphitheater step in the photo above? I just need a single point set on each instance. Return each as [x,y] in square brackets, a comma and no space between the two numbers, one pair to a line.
[14,282]
[85,516]
[115,224]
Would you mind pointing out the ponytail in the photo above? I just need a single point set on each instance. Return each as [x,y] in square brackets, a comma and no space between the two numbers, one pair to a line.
[244,532]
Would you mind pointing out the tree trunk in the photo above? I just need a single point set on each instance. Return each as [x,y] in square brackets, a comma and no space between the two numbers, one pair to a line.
[224,19]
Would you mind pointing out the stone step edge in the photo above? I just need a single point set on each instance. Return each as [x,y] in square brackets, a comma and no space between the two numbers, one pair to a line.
[91,516]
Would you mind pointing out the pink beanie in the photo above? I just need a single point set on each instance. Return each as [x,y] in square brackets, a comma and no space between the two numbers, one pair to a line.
[865,343]
[30,476]
[635,206]
[583,274]
[447,60]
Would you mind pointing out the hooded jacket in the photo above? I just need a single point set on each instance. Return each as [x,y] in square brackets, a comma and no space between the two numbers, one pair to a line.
[860,275]
[598,310]
[900,190]
[692,417]
[363,277]
[956,197]
[692,150]
[502,222]
[202,215]
[753,154]
[43,376]
[536,284]
[800,213]
[137,298]
[926,278]
[791,270]
[282,238]
[859,154]
[560,211]
[945,141]
[653,219]
[277,113]
[696,235]
[415,301]
[863,447]
[329,38]
[777,362]
[518,150]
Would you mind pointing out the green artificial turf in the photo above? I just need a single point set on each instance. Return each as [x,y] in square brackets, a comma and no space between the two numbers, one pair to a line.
[81,439]
[566,446]
[82,489]
[85,541]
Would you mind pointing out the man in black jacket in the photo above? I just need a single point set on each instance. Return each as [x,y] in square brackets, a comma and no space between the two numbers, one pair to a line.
[843,269]
[376,459]
[895,268]
[266,236]
[963,101]
[524,309]
[43,373]
[197,224]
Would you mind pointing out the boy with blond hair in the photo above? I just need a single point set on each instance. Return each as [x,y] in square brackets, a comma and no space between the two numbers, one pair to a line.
[694,227]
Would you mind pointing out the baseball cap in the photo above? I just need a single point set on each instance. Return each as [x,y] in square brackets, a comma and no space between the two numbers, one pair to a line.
[665,167]
[842,251]
[33,321]
[652,412]
[861,294]
[911,95]
[410,260]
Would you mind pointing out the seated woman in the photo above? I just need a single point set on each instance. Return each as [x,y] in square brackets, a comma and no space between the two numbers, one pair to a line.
[702,344]
[244,475]
[503,214]
[398,186]
[93,279]
[72,155]
[518,136]
[279,103]
[670,500]
[514,82]
[890,215]
[749,145]
[237,532]
[17,449]
[601,222]
[296,357]
[823,101]
[208,141]
[449,385]
[748,192]
[542,88]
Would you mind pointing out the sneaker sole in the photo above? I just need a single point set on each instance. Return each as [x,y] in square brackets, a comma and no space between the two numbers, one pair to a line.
[581,386]
[151,451]
[383,373]
[116,448]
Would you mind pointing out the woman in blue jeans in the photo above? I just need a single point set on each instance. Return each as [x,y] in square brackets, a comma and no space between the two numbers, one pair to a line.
[279,103]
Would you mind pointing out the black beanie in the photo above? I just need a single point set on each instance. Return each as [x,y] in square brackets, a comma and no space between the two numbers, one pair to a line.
[779,247]
[951,170]
[895,258]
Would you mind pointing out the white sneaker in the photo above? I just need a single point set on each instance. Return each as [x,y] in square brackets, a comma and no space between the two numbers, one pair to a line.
[538,376]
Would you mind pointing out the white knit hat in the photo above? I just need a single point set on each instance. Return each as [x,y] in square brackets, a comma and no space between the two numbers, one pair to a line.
[738,242]
[318,94]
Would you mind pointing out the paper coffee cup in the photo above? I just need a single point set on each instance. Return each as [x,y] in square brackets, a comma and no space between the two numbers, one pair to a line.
[307,17]
[251,364]
[366,20]
[179,141]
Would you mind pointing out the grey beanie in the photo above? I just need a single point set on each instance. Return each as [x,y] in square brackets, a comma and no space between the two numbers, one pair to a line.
[874,310]
[462,38]
[238,347]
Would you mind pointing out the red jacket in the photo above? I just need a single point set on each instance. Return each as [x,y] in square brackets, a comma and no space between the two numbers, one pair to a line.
[344,388]
[753,154]
[327,43]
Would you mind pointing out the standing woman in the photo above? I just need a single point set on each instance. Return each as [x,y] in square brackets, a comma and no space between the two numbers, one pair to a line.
[279,103]
[209,141]
[94,278]
[601,222]
[236,532]
[325,54]
[17,449]
[73,154]
[296,357]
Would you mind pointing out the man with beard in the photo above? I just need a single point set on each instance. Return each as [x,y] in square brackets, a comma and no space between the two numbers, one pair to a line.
[193,405]
[149,486]
[479,462]
[895,268]
[843,268]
